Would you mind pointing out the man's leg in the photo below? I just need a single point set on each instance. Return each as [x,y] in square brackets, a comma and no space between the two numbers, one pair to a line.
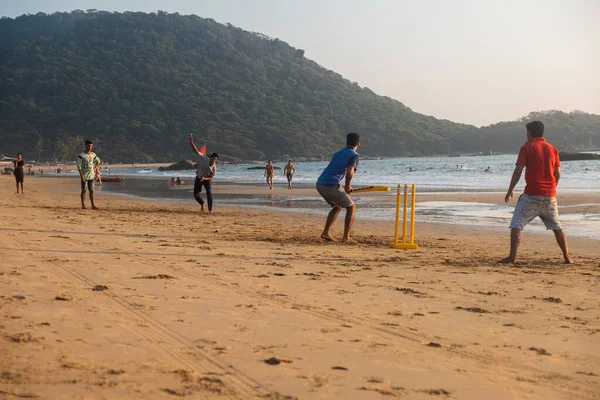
[91,189]
[209,196]
[16,180]
[515,240]
[197,190]
[83,194]
[22,192]
[329,223]
[561,239]
[350,212]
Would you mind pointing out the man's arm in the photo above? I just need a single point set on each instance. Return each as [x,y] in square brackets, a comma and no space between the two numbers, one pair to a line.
[513,182]
[557,175]
[194,148]
[349,176]
[79,166]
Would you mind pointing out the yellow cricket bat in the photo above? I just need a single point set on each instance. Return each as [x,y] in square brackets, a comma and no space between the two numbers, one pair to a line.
[371,189]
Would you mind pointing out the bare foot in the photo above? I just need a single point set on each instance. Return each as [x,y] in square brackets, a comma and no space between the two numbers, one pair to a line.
[201,207]
[507,260]
[95,208]
[349,241]
[569,260]
[83,207]
[329,238]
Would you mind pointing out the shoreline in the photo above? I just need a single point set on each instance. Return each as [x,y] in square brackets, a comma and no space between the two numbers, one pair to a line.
[580,211]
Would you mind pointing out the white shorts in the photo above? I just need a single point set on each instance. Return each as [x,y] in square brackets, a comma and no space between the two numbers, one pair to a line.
[531,206]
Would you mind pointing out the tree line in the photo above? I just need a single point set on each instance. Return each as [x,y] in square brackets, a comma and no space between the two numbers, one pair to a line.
[137,84]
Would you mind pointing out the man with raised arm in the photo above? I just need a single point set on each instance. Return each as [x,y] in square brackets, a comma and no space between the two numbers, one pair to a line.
[329,185]
[542,173]
[206,169]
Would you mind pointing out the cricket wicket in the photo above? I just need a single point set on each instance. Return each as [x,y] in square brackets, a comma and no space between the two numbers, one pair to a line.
[404,244]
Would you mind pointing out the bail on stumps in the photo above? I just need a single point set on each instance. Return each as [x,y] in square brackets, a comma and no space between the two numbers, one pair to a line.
[404,244]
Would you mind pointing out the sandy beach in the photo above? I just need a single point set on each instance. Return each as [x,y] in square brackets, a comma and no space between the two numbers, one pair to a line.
[148,299]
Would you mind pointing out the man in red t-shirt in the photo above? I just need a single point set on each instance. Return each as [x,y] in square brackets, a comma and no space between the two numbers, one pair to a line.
[542,172]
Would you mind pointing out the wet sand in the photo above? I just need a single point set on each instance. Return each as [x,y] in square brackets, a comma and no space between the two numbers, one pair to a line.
[157,300]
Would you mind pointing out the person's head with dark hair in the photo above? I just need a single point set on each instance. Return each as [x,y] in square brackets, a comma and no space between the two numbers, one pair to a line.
[19,156]
[535,129]
[213,158]
[88,146]
[352,140]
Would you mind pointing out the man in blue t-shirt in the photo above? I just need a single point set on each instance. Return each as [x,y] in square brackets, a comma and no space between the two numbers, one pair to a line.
[342,165]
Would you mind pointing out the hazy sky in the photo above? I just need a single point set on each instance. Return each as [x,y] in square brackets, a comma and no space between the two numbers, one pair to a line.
[472,61]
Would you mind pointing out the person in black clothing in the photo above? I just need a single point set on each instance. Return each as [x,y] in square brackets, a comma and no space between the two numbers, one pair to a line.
[19,173]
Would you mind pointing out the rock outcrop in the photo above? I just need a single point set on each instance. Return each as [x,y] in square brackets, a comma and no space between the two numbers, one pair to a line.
[180,166]
[565,156]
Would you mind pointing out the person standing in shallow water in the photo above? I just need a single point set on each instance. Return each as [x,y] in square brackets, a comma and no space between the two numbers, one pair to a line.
[289,170]
[206,169]
[340,168]
[88,164]
[19,164]
[269,174]
[542,173]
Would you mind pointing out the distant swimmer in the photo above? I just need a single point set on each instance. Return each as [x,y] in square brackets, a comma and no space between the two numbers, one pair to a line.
[88,165]
[542,173]
[410,169]
[205,172]
[289,170]
[269,174]
[342,166]
[488,169]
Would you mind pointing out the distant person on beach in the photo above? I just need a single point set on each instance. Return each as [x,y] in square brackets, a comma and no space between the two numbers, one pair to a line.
[342,166]
[542,173]
[269,174]
[88,165]
[206,170]
[289,170]
[487,169]
[19,164]
[178,181]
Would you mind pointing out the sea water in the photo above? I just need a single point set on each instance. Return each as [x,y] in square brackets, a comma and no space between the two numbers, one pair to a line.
[430,174]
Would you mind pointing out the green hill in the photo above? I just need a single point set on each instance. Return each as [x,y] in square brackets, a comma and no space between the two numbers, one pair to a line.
[138,83]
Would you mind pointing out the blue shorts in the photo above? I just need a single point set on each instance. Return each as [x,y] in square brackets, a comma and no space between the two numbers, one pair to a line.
[89,184]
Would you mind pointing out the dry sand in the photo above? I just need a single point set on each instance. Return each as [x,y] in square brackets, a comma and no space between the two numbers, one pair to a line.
[153,300]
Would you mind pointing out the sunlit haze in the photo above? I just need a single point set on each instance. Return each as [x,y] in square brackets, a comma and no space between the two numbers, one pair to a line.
[477,62]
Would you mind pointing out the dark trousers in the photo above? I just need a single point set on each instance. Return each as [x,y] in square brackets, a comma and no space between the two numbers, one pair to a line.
[198,184]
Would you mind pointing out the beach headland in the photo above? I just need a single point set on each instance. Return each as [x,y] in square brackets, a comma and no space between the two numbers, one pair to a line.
[153,299]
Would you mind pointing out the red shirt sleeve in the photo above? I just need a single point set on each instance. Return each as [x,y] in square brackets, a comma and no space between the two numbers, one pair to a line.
[557,158]
[522,158]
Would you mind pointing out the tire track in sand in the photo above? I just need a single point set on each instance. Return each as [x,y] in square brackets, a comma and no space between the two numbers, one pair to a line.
[237,384]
